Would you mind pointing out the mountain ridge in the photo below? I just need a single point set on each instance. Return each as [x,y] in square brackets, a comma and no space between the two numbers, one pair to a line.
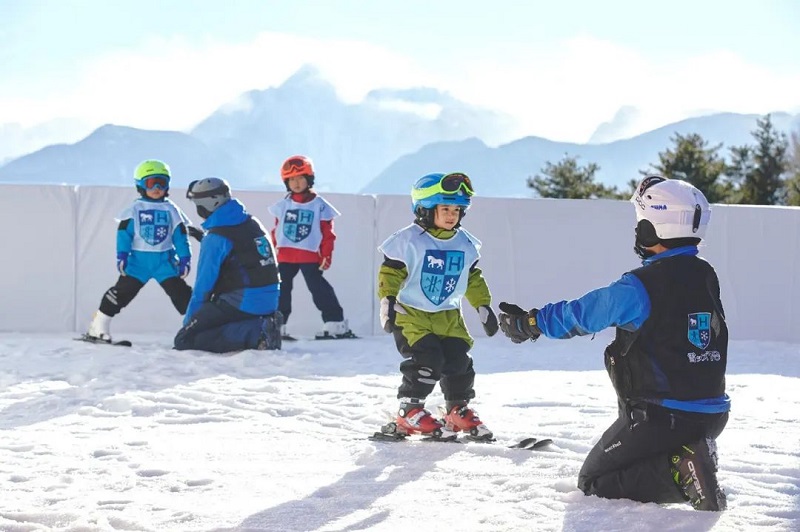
[379,145]
[507,167]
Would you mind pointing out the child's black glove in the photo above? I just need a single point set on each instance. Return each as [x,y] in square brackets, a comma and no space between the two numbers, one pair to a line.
[519,324]
[488,319]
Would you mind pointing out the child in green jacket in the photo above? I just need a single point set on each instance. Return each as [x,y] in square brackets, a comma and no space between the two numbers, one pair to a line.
[429,266]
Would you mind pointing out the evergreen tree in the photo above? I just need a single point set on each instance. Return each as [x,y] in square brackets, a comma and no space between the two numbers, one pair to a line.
[757,171]
[742,164]
[691,160]
[793,180]
[567,180]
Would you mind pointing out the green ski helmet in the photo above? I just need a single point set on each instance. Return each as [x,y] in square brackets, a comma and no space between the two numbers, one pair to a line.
[150,174]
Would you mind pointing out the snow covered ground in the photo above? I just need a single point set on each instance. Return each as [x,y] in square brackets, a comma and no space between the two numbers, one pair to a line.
[146,438]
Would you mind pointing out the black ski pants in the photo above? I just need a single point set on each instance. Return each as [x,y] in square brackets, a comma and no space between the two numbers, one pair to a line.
[219,327]
[121,294]
[433,359]
[632,458]
[321,290]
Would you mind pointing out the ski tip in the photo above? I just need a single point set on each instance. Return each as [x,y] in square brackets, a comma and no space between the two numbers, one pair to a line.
[522,444]
[530,444]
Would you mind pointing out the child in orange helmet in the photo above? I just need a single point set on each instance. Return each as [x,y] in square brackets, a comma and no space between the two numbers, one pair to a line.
[304,238]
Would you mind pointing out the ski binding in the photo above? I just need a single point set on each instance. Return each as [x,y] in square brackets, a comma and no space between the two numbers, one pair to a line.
[390,432]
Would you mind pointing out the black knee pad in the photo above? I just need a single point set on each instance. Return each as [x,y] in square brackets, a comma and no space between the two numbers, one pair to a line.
[120,295]
[110,305]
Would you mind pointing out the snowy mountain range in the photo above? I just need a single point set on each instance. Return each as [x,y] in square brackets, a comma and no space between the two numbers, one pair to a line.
[16,140]
[379,145]
[502,171]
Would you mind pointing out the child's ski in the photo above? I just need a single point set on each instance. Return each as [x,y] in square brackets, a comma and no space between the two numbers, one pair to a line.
[327,336]
[289,338]
[93,340]
[389,433]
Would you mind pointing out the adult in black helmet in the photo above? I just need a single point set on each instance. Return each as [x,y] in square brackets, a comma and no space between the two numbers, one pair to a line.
[667,362]
[235,300]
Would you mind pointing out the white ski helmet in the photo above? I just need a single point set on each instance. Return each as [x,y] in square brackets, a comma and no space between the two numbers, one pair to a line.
[671,208]
[208,194]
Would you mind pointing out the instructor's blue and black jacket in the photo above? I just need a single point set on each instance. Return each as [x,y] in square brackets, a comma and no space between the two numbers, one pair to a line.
[671,346]
[230,267]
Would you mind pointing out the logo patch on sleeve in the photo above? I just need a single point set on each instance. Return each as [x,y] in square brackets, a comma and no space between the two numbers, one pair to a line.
[699,332]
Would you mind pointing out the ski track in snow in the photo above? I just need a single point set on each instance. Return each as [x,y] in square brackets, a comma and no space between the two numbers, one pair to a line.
[147,438]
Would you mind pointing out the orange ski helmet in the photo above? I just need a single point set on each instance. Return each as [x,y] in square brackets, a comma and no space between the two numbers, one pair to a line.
[298,166]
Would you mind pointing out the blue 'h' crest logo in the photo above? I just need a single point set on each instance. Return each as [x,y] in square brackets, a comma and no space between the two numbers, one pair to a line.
[440,272]
[265,250]
[297,224]
[700,329]
[154,226]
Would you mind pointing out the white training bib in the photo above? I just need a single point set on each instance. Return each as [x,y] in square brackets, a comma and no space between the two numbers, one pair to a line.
[299,223]
[154,223]
[438,270]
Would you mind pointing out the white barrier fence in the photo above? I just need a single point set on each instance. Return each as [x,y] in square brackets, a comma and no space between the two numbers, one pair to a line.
[58,248]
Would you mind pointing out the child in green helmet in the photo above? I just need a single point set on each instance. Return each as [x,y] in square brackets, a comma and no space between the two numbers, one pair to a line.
[152,243]
[428,267]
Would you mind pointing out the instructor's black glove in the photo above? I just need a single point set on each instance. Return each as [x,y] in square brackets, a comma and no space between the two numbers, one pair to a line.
[519,324]
[196,233]
[488,319]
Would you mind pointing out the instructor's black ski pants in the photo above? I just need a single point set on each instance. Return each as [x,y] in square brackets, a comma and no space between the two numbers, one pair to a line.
[219,327]
[631,460]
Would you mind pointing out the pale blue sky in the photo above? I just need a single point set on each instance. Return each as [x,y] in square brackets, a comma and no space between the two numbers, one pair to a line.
[561,67]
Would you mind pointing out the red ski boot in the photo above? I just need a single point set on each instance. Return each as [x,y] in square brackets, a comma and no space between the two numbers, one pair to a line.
[415,419]
[463,418]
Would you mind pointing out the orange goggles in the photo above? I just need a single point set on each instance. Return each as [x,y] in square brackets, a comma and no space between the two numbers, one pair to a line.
[296,167]
[159,182]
